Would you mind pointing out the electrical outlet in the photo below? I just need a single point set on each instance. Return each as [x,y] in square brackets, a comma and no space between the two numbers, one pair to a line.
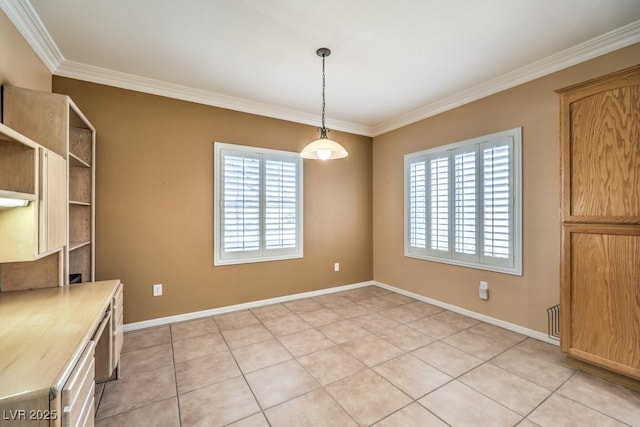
[336,266]
[157,290]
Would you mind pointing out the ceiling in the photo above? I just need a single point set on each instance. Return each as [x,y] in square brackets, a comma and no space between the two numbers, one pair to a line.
[392,62]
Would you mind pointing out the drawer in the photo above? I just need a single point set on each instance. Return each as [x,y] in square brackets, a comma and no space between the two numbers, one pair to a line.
[87,414]
[78,391]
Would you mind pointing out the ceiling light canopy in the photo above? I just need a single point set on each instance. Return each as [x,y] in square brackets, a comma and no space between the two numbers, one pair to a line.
[323,148]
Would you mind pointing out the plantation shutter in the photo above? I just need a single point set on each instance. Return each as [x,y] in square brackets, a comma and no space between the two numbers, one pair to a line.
[418,204]
[258,215]
[439,203]
[465,205]
[497,201]
[241,204]
[280,204]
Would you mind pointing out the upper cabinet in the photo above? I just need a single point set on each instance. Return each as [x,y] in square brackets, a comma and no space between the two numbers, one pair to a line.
[33,221]
[56,123]
[18,166]
[19,188]
[600,130]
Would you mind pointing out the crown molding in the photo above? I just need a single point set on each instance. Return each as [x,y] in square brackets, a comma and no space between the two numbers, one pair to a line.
[26,20]
[121,80]
[603,44]
[28,23]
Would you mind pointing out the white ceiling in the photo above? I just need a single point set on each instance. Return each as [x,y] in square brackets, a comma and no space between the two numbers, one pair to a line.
[392,62]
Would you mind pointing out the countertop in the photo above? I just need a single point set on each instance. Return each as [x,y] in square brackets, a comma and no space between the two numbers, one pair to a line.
[43,333]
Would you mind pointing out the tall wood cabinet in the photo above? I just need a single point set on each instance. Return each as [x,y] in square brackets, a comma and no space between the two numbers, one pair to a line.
[56,123]
[600,265]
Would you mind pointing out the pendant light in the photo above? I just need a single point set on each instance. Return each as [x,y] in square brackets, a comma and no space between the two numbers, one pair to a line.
[323,148]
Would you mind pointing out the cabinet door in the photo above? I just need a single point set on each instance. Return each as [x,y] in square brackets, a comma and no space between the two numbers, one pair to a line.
[53,203]
[601,277]
[600,131]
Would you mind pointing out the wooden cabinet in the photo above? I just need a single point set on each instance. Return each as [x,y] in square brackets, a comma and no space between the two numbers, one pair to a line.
[53,196]
[55,122]
[600,266]
[51,342]
[37,176]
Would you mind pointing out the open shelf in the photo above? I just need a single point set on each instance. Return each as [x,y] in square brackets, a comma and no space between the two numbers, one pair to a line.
[81,144]
[80,262]
[18,165]
[77,245]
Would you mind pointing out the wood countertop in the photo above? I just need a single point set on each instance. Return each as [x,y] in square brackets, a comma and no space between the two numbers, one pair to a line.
[43,333]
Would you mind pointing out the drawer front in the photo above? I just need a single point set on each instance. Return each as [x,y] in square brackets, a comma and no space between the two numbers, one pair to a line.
[86,417]
[78,391]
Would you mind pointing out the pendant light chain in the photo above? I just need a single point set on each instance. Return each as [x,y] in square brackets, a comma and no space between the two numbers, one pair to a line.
[323,148]
[323,130]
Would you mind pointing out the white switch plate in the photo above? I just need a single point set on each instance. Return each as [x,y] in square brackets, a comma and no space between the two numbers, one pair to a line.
[157,290]
[336,266]
[483,294]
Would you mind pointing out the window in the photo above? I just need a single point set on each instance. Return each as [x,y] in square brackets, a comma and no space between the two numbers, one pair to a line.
[258,204]
[463,203]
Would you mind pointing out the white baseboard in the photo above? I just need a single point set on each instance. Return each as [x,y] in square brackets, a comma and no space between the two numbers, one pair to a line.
[488,319]
[160,321]
[237,307]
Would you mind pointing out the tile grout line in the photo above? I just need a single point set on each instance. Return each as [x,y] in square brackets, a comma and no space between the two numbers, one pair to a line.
[244,378]
[175,375]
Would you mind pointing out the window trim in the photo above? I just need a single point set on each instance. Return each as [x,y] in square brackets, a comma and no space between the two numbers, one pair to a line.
[262,255]
[514,266]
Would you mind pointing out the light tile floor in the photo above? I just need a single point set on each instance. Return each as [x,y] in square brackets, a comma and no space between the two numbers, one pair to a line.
[361,357]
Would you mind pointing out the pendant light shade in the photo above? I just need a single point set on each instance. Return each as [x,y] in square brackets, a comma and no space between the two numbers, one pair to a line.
[323,148]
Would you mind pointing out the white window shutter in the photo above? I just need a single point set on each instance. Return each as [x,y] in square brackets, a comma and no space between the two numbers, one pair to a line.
[497,202]
[280,204]
[417,204]
[439,203]
[241,204]
[258,205]
[463,203]
[465,206]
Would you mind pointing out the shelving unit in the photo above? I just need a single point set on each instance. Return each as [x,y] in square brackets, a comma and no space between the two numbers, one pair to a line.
[81,159]
[33,236]
[55,122]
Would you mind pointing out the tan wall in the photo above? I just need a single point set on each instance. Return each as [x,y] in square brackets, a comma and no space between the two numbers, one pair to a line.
[155,182]
[534,106]
[155,203]
[19,65]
